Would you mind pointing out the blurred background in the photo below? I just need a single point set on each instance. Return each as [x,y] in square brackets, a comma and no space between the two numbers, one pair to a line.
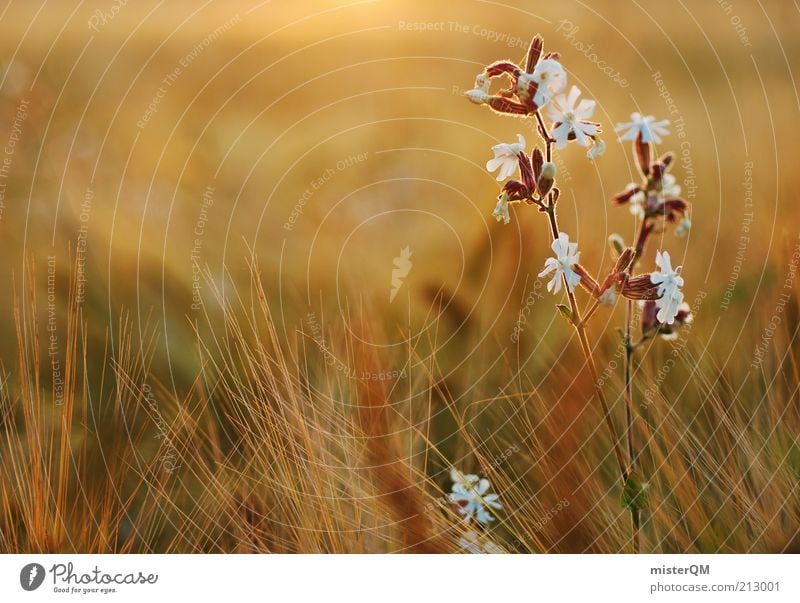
[156,154]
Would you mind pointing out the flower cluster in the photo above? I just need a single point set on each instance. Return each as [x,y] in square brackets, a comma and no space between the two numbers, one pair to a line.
[530,87]
[655,202]
[533,86]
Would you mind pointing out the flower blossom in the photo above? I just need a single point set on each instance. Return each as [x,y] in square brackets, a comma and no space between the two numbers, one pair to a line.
[669,186]
[651,130]
[567,256]
[570,119]
[470,494]
[684,226]
[501,209]
[532,84]
[635,197]
[669,283]
[550,78]
[651,325]
[506,158]
[597,149]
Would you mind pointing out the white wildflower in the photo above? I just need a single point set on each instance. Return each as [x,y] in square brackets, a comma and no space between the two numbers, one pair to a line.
[567,256]
[501,209]
[460,478]
[569,117]
[551,78]
[683,227]
[505,157]
[669,283]
[683,317]
[597,149]
[669,186]
[637,200]
[470,494]
[651,130]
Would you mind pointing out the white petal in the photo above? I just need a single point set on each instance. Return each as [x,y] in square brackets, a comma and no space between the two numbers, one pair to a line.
[561,134]
[507,168]
[572,97]
[495,163]
[585,109]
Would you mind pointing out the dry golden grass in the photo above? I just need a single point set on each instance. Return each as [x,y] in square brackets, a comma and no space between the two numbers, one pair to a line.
[275,451]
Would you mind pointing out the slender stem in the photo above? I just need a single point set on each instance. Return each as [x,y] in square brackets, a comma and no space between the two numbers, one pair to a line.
[592,309]
[545,136]
[630,417]
[580,329]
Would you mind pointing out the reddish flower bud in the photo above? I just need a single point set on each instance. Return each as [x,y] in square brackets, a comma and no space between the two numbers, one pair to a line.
[672,209]
[537,160]
[526,171]
[504,105]
[515,190]
[638,287]
[501,67]
[534,52]
[587,280]
[624,260]
[667,159]
[649,321]
[625,196]
[657,171]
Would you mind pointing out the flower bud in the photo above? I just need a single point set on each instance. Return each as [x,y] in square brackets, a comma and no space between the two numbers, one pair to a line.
[504,105]
[624,260]
[526,171]
[626,195]
[617,243]
[546,178]
[658,170]
[515,190]
[672,209]
[477,96]
[534,52]
[587,280]
[667,159]
[639,287]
